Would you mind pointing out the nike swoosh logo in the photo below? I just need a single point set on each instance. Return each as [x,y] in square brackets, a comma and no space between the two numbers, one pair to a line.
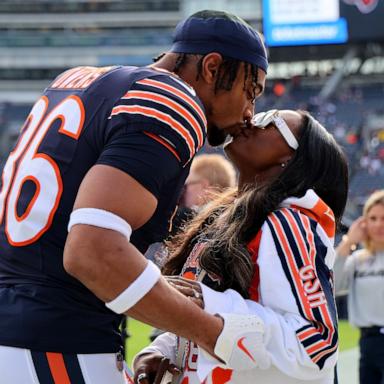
[241,345]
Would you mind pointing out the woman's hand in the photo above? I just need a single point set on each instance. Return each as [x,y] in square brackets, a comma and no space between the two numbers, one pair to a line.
[357,231]
[149,368]
[188,288]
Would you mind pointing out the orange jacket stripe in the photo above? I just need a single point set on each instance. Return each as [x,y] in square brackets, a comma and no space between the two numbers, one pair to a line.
[323,215]
[323,307]
[292,265]
[297,235]
[307,333]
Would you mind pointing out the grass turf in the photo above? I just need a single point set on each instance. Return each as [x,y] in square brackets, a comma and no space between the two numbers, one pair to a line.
[139,338]
[348,335]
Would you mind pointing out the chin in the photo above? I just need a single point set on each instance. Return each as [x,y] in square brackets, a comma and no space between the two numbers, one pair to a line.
[216,136]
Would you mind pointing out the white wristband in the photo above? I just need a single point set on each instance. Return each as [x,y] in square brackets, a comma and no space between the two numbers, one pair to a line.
[100,218]
[136,290]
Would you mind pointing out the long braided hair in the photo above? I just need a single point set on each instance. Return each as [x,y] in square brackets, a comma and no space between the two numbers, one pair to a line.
[226,74]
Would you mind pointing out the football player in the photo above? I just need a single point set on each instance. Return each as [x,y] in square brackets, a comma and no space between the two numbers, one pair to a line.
[93,180]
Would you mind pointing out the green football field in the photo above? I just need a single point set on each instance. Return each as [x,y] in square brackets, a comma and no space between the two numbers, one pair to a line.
[140,337]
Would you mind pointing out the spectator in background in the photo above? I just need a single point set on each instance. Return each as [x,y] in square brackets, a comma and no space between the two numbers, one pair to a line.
[362,273]
[210,174]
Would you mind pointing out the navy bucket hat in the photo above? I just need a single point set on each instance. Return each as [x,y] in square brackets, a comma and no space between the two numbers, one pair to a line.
[221,32]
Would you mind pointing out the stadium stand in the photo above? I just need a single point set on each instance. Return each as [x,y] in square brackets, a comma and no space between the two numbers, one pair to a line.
[41,38]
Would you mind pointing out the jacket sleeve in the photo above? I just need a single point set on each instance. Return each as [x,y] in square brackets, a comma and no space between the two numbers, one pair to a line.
[296,302]
[165,344]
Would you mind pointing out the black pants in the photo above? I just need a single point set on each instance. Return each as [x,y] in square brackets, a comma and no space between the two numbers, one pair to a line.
[371,370]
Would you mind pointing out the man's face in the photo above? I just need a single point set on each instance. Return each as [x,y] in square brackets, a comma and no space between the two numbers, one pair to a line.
[229,110]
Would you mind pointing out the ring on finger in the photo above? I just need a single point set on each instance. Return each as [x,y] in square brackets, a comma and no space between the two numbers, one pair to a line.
[141,376]
[196,294]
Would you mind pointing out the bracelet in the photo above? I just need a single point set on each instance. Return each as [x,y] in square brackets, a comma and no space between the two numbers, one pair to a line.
[346,239]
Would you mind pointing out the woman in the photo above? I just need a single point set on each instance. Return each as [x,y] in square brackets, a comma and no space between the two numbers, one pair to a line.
[361,272]
[265,250]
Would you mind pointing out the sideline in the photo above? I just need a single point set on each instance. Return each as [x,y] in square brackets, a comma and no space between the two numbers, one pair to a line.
[348,366]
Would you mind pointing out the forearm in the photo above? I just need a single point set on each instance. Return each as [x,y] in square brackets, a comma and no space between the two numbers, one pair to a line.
[165,308]
[107,264]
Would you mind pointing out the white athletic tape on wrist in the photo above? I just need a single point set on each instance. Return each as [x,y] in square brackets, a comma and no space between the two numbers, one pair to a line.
[136,290]
[240,344]
[100,218]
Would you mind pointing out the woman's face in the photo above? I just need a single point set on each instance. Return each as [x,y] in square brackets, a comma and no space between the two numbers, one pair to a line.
[375,224]
[261,152]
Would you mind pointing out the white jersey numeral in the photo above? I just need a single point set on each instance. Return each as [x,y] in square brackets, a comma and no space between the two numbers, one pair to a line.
[26,164]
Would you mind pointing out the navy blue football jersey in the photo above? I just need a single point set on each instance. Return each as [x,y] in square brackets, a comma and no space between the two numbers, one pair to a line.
[145,122]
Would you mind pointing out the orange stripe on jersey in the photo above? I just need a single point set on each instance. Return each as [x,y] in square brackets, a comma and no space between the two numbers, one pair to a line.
[163,117]
[177,92]
[172,105]
[292,266]
[163,142]
[57,367]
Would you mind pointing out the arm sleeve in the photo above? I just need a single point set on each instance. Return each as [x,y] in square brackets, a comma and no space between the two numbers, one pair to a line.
[296,302]
[164,344]
[343,269]
[142,157]
[168,109]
